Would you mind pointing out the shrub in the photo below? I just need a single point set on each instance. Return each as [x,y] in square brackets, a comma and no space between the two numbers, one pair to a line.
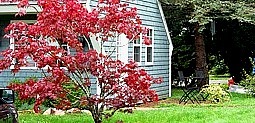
[74,94]
[22,104]
[249,84]
[216,93]
[218,67]
[224,86]
[28,104]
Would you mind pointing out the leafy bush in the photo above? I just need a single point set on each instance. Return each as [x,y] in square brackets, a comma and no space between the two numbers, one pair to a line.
[224,86]
[74,95]
[217,93]
[249,84]
[217,66]
[22,104]
[28,104]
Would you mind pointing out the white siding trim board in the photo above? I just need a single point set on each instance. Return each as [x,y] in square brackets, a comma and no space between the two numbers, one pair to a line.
[170,43]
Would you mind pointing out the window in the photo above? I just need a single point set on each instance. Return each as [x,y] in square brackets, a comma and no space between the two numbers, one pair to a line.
[149,49]
[30,64]
[137,50]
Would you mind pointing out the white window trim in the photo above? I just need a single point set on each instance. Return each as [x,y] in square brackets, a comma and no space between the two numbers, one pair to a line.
[122,48]
[140,45]
[118,48]
[152,46]
[12,46]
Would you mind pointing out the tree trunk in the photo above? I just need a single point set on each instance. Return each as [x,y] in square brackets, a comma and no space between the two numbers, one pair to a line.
[201,63]
[96,114]
[97,118]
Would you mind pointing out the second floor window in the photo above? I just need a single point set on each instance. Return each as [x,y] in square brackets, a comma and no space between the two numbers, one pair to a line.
[149,49]
[137,50]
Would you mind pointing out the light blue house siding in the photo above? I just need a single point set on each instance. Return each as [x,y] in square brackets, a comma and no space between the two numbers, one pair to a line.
[149,12]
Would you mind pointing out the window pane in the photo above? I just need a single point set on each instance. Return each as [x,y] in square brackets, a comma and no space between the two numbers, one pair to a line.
[137,53]
[65,47]
[30,62]
[150,34]
[137,41]
[149,54]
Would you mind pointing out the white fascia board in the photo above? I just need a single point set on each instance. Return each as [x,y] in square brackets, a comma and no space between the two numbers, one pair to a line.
[11,8]
[6,9]
[170,43]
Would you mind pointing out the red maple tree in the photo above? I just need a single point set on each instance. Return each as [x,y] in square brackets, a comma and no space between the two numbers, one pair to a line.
[64,22]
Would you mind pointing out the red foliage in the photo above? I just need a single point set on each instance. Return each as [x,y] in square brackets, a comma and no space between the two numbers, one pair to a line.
[63,21]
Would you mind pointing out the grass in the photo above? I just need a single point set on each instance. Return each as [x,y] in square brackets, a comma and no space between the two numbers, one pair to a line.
[241,109]
[70,118]
[183,114]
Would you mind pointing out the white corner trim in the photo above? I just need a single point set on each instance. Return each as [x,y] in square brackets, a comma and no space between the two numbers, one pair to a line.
[170,43]
[165,24]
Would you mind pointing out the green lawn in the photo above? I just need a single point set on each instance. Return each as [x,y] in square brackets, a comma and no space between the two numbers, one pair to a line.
[240,110]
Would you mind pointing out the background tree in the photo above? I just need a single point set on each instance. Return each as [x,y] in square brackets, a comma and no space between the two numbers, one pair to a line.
[183,57]
[63,22]
[201,13]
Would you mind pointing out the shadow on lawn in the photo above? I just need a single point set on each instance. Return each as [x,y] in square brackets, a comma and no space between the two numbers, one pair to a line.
[173,100]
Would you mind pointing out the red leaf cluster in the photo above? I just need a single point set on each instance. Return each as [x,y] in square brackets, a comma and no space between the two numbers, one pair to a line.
[46,88]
